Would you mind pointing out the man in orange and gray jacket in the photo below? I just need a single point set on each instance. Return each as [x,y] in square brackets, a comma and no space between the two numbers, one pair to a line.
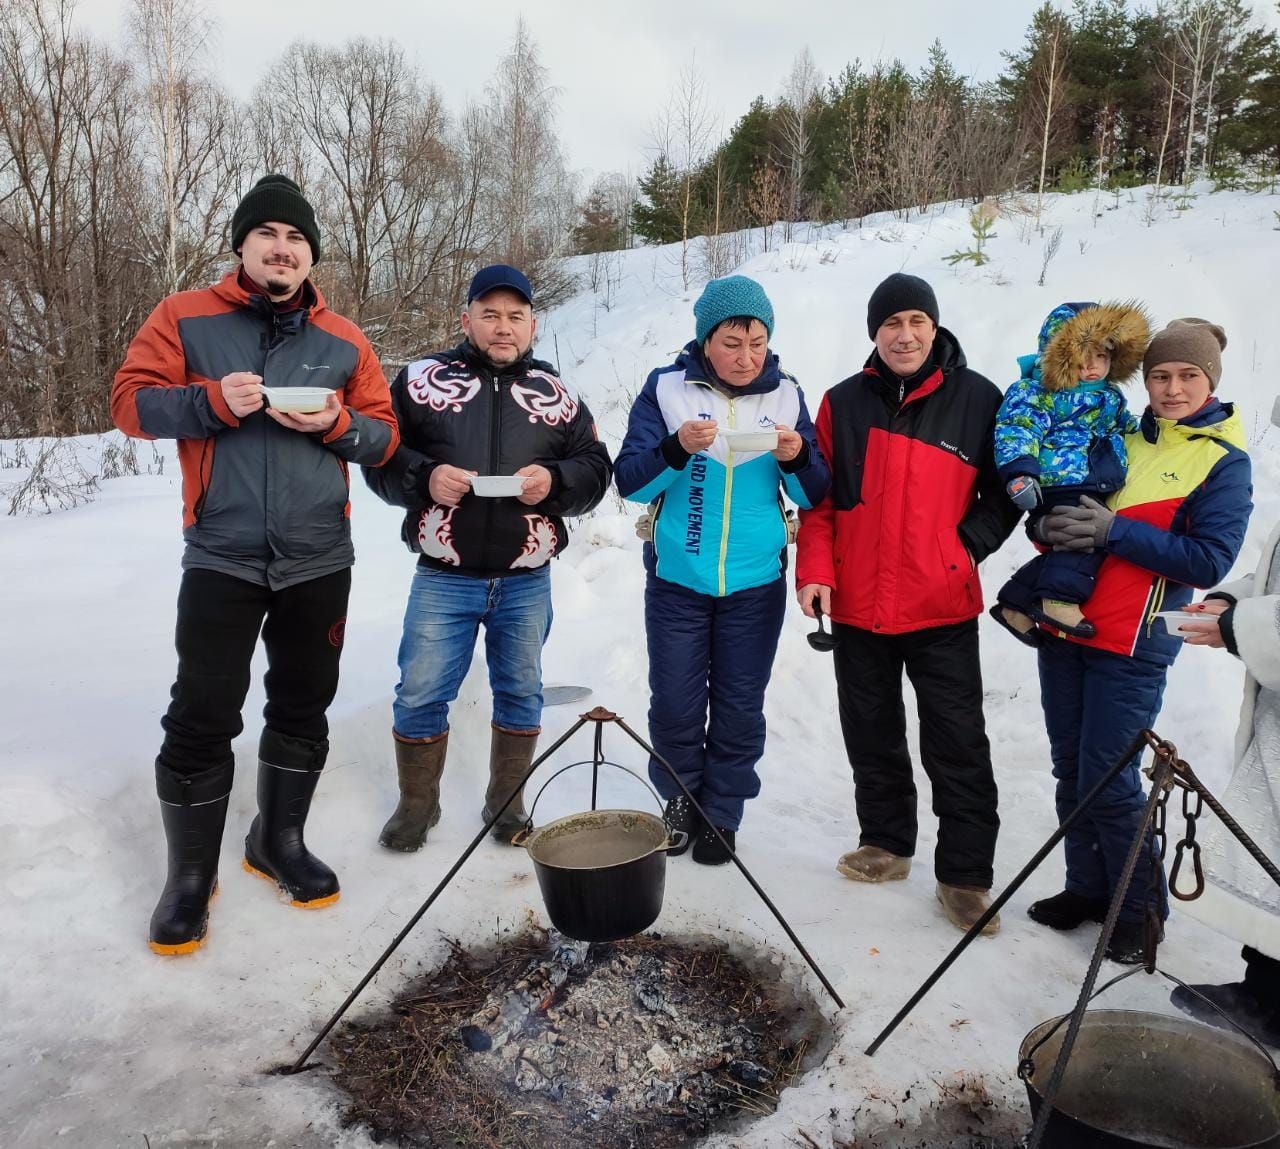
[268,537]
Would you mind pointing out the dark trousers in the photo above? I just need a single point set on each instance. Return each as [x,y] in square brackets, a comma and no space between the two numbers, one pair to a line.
[710,654]
[942,664]
[219,619]
[1095,702]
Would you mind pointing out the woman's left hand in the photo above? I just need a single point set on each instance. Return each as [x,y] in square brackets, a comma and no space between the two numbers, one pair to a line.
[789,443]
[1082,528]
[1208,632]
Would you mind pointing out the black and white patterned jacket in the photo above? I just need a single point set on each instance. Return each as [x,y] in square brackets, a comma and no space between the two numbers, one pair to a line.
[454,408]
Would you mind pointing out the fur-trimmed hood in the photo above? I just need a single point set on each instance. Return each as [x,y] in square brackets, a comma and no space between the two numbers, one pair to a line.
[1074,329]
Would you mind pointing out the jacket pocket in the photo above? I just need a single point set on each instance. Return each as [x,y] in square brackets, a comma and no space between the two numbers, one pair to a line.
[958,570]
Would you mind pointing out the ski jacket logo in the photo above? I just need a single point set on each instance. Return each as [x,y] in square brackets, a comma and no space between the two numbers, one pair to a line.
[443,386]
[554,408]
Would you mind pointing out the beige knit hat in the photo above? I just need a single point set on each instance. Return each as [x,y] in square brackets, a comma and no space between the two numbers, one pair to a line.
[1188,340]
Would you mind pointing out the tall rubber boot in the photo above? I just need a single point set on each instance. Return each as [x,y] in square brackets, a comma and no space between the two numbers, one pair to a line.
[194,811]
[288,770]
[510,755]
[419,764]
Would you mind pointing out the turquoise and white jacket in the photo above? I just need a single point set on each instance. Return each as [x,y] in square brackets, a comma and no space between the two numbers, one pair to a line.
[719,524]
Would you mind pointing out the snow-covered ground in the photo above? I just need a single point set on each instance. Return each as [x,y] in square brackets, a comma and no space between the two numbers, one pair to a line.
[103,1044]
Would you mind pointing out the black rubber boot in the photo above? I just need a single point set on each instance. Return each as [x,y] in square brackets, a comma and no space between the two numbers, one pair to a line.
[288,770]
[1066,911]
[194,811]
[419,766]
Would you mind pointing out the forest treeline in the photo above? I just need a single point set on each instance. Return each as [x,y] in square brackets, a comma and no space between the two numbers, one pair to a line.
[121,163]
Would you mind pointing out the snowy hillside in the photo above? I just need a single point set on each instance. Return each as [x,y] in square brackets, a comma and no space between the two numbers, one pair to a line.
[102,1043]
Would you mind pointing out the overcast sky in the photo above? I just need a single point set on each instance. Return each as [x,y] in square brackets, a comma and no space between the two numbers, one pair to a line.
[615,63]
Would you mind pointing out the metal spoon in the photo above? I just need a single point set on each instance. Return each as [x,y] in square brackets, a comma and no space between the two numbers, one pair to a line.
[821,639]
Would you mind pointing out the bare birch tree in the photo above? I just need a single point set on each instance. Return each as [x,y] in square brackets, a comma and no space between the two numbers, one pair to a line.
[170,37]
[1197,28]
[796,115]
[684,135]
[1048,80]
[533,194]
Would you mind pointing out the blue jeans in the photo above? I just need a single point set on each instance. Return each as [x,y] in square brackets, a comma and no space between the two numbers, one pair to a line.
[440,625]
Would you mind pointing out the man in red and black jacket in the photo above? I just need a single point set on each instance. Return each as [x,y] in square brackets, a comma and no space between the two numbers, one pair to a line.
[890,555]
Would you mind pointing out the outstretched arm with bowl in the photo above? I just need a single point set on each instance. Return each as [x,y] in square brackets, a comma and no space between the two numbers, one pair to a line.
[1209,631]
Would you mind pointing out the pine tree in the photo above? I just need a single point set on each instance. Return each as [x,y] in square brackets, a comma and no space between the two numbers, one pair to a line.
[1249,111]
[656,217]
[598,228]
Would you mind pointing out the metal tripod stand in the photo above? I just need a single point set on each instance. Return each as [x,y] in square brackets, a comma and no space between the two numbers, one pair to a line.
[1167,771]
[600,717]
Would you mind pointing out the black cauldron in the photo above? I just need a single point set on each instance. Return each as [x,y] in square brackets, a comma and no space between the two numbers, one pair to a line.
[1139,1080]
[602,872]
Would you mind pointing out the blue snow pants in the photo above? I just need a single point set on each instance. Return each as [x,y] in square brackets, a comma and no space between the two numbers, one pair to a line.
[1095,702]
[710,654]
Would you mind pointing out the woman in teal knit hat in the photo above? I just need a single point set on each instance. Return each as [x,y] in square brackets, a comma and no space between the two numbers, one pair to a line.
[714,443]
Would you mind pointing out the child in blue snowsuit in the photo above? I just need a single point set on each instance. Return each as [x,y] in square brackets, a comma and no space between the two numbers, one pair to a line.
[1060,435]
[716,558]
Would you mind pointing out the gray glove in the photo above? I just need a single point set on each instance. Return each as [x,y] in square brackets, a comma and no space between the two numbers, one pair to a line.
[1081,528]
[1024,492]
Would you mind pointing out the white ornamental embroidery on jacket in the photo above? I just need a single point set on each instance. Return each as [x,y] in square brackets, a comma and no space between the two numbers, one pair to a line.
[443,385]
[435,535]
[558,407]
[539,546]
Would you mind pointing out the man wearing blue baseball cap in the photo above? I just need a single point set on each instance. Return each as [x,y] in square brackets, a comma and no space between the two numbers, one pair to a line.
[484,408]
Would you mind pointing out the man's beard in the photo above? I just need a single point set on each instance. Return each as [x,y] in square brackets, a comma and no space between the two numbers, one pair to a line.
[508,357]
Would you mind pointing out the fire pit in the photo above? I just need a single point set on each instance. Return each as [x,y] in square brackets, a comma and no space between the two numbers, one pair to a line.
[549,1042]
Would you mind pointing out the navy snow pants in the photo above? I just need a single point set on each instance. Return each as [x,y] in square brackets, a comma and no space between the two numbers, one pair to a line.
[1065,576]
[710,654]
[1095,702]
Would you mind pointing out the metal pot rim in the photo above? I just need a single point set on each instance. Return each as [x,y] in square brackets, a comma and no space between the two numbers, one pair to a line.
[1146,1017]
[531,842]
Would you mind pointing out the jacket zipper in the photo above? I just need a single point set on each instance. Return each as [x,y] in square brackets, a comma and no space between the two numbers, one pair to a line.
[728,501]
[1157,601]
[495,418]
[205,483]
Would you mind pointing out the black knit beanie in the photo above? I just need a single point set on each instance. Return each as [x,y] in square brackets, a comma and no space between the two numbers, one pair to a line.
[900,292]
[275,199]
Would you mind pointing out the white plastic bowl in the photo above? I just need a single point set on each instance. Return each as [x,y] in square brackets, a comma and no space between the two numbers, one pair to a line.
[497,486]
[1173,619]
[751,440]
[304,400]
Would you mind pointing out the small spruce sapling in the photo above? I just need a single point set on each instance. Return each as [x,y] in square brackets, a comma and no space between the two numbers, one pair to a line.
[981,220]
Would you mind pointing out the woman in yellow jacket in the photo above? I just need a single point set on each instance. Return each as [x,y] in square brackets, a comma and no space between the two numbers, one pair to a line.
[1177,524]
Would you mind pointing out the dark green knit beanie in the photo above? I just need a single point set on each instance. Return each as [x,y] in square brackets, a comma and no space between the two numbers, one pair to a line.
[275,199]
